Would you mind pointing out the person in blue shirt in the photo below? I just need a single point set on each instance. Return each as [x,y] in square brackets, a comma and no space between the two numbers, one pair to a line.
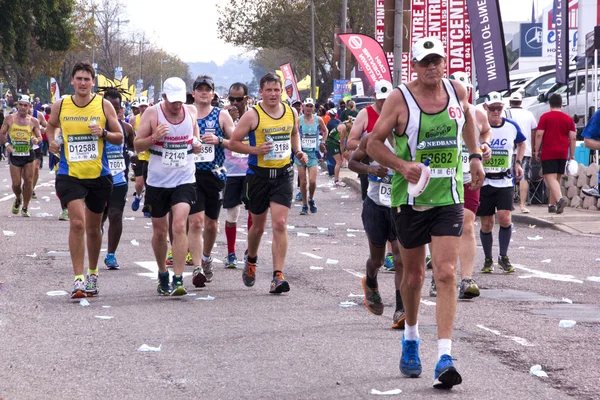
[591,140]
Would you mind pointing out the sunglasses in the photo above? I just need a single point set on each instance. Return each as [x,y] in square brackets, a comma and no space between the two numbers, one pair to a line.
[309,105]
[238,99]
[495,108]
[205,81]
[424,63]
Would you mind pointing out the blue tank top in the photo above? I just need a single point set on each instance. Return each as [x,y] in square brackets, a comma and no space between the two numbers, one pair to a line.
[309,134]
[211,155]
[116,160]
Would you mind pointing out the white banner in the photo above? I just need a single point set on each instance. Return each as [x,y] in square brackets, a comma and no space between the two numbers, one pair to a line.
[549,35]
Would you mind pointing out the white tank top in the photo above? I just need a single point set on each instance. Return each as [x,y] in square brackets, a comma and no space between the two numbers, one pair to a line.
[171,161]
[380,189]
[465,152]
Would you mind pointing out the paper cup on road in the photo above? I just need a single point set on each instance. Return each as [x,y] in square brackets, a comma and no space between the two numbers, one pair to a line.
[571,168]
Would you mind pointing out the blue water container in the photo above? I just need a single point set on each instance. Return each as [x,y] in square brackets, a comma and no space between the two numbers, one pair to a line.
[582,154]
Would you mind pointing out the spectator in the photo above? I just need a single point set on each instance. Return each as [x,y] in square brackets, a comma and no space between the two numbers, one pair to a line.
[341,108]
[350,111]
[38,105]
[554,145]
[591,140]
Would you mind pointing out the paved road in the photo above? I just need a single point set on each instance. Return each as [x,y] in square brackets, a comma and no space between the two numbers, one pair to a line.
[247,344]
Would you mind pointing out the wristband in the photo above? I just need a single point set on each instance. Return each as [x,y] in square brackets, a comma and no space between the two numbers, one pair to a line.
[518,162]
[104,133]
[476,155]
[488,145]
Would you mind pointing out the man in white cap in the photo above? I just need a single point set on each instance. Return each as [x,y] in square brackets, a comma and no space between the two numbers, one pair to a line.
[429,115]
[168,131]
[140,169]
[527,122]
[310,125]
[498,189]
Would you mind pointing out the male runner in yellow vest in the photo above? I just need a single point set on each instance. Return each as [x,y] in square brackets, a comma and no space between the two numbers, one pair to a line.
[83,180]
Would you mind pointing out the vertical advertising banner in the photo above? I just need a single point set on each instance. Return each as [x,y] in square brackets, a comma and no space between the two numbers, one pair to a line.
[118,73]
[488,45]
[290,87]
[561,28]
[571,19]
[54,90]
[139,85]
[369,55]
[380,31]
[342,90]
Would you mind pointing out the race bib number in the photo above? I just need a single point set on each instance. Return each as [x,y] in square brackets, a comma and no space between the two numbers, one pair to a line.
[498,162]
[282,148]
[443,153]
[207,153]
[309,143]
[20,149]
[465,160]
[174,155]
[385,191]
[455,112]
[116,163]
[82,148]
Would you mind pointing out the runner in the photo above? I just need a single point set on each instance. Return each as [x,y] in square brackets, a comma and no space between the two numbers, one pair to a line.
[140,169]
[236,165]
[214,127]
[428,115]
[273,130]
[23,132]
[167,130]
[83,180]
[118,169]
[379,226]
[336,146]
[38,163]
[310,125]
[498,189]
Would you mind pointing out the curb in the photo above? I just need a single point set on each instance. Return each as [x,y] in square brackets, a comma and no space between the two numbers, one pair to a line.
[353,183]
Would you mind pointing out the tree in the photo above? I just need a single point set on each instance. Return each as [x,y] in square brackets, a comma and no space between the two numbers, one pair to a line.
[280,25]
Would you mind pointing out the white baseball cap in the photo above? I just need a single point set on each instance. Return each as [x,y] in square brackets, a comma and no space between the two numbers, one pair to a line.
[24,98]
[143,101]
[494,98]
[383,89]
[308,100]
[516,96]
[461,77]
[332,111]
[426,46]
[135,104]
[175,90]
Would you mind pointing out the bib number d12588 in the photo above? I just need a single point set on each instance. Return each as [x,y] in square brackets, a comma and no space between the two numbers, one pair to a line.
[82,148]
[174,155]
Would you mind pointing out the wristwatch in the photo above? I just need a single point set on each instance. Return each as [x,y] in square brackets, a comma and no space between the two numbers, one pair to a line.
[476,155]
[518,162]
[220,141]
[104,133]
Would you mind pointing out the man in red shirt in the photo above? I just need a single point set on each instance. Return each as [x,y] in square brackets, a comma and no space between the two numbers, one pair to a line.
[556,134]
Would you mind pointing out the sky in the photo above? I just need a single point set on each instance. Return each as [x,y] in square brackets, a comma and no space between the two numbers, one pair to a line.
[188,28]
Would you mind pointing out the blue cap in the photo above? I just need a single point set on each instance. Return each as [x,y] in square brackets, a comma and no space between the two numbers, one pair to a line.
[427,162]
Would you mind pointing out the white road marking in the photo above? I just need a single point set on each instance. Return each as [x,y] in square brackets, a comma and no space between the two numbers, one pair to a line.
[12,196]
[355,273]
[519,340]
[546,275]
[316,257]
[427,302]
[152,266]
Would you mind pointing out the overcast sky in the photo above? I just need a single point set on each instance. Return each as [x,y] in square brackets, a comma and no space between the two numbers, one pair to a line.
[188,28]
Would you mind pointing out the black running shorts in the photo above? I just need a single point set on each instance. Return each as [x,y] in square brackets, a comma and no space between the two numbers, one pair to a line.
[138,168]
[235,192]
[262,191]
[209,194]
[22,161]
[160,200]
[378,223]
[554,166]
[118,197]
[96,192]
[493,198]
[415,228]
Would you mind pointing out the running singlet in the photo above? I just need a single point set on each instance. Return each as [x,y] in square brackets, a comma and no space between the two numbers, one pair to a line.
[380,189]
[334,137]
[35,116]
[309,135]
[82,155]
[236,163]
[211,154]
[438,137]
[19,137]
[144,155]
[116,161]
[465,152]
[172,161]
[372,117]
[498,168]
[276,130]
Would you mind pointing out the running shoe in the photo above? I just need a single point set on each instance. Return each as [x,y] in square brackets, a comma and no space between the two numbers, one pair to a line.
[388,263]
[446,375]
[339,184]
[561,204]
[432,288]
[170,257]
[551,208]
[91,285]
[177,288]
[208,270]
[111,261]
[488,266]
[428,262]
[163,288]
[279,284]
[231,261]
[199,279]
[25,212]
[299,196]
[33,195]
[249,274]
[16,206]
[147,214]
[135,205]
[372,298]
[313,207]
[398,320]
[505,264]
[593,191]
[304,210]
[188,259]
[64,215]
[410,363]
[78,291]
[468,289]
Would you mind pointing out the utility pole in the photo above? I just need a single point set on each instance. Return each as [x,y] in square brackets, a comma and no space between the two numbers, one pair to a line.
[313,78]
[342,45]
[119,22]
[141,44]
[398,36]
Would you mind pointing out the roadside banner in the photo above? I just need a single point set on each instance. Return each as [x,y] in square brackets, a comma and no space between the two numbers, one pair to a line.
[369,54]
[561,28]
[290,87]
[54,90]
[342,90]
[488,45]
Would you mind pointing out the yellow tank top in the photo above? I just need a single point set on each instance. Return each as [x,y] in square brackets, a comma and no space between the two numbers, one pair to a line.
[277,130]
[20,139]
[82,155]
[144,155]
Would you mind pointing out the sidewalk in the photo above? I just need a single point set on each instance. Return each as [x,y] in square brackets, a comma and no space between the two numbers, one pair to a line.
[575,221]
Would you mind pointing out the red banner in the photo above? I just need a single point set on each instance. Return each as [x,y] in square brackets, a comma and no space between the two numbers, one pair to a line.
[289,85]
[369,55]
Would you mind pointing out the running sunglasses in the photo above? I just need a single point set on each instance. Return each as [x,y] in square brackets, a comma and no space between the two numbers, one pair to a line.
[238,99]
[205,81]
[424,63]
[495,108]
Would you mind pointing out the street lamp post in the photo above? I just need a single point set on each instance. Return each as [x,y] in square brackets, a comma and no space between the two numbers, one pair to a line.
[313,71]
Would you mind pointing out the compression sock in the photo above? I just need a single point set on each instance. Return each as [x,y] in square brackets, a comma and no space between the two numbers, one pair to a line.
[504,235]
[230,234]
[487,241]
[399,304]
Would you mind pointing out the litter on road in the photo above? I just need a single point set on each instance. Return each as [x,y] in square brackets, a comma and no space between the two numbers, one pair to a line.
[392,392]
[537,370]
[9,233]
[330,261]
[147,348]
[84,303]
[135,242]
[104,317]
[57,293]
[346,304]
[567,323]
[207,298]
[535,238]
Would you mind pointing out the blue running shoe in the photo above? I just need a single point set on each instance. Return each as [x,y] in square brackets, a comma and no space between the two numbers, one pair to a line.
[313,207]
[446,375]
[135,205]
[410,364]
[231,261]
[147,214]
[388,263]
[111,261]
[299,196]
[304,210]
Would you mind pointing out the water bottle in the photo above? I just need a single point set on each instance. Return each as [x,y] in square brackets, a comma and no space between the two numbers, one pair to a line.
[59,140]
[269,139]
[196,141]
[416,189]
[130,153]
